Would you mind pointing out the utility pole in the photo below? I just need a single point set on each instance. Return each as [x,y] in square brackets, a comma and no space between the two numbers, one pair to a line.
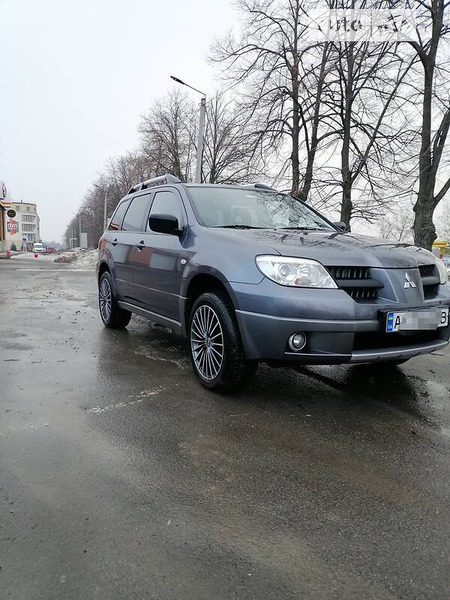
[105,207]
[201,129]
[105,224]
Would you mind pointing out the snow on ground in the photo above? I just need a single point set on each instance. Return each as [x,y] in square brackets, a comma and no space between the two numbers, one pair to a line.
[87,259]
[80,258]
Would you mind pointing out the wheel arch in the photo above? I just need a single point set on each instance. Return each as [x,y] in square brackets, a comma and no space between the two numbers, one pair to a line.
[199,284]
[103,267]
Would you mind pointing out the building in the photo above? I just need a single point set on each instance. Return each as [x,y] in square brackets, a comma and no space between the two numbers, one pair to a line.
[3,208]
[23,229]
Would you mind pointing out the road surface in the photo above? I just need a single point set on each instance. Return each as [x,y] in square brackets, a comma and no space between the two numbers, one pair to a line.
[121,478]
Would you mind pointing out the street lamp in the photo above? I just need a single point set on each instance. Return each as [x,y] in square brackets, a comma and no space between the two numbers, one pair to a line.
[77,237]
[104,207]
[201,127]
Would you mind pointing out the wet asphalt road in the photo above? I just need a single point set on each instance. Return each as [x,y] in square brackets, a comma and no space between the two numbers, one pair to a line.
[121,478]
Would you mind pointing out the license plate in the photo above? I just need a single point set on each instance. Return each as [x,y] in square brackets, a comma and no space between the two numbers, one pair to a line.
[416,320]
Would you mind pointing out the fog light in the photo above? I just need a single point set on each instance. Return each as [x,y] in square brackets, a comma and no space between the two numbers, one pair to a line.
[297,341]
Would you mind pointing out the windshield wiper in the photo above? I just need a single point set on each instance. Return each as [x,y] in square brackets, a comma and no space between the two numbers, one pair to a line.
[239,227]
[303,228]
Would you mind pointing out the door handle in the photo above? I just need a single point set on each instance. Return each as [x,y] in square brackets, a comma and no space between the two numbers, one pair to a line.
[141,245]
[114,242]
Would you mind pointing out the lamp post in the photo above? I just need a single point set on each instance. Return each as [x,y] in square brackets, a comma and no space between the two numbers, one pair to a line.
[201,127]
[76,235]
[105,204]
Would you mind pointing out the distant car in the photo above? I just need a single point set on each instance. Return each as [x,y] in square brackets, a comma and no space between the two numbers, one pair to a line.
[51,250]
[39,248]
[250,274]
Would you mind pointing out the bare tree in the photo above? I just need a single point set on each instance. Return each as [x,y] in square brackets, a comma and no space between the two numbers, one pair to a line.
[271,66]
[168,133]
[336,106]
[443,222]
[368,118]
[229,153]
[432,39]
[116,180]
[397,223]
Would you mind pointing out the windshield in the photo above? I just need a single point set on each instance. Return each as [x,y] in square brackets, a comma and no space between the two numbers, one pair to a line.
[241,208]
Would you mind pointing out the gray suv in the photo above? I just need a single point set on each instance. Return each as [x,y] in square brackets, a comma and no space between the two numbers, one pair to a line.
[250,274]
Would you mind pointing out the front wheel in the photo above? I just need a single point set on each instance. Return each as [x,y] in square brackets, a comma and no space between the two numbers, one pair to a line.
[112,315]
[215,344]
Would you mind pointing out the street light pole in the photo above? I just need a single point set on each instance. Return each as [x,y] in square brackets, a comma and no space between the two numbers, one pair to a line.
[104,211]
[201,129]
[105,205]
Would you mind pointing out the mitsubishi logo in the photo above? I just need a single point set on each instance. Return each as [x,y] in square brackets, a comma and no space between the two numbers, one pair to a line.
[409,283]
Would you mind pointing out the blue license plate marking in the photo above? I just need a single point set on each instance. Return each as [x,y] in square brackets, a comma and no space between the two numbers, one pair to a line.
[417,320]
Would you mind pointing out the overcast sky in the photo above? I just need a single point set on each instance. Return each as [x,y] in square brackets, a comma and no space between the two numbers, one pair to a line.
[76,75]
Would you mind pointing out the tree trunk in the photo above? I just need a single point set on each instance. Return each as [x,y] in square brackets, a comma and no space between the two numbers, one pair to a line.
[347,204]
[347,182]
[309,171]
[424,229]
[295,161]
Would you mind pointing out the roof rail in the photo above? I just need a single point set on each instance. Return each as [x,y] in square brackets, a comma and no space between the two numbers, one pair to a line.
[163,179]
[261,186]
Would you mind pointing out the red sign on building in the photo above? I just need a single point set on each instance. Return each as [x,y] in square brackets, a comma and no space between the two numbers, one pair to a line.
[12,226]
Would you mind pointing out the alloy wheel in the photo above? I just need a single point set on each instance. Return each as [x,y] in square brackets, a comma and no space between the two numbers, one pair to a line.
[105,298]
[207,342]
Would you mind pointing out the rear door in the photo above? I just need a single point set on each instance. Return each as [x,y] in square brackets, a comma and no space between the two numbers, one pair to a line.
[113,243]
[135,254]
[159,276]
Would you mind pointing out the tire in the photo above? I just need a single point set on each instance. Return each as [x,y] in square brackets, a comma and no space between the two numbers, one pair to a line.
[112,315]
[215,344]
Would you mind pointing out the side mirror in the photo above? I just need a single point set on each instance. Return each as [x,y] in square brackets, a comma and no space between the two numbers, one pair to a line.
[165,224]
[340,225]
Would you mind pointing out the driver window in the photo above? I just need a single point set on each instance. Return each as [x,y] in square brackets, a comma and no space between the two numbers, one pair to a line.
[167,203]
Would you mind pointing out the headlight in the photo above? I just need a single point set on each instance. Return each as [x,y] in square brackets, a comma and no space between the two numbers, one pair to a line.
[295,272]
[443,273]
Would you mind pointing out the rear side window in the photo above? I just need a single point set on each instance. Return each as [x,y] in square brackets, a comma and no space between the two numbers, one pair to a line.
[168,203]
[136,213]
[117,218]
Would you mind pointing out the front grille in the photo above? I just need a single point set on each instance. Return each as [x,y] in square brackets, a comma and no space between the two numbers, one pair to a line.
[426,270]
[430,280]
[357,282]
[349,272]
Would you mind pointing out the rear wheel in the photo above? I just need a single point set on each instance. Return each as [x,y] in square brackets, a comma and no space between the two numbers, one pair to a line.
[112,315]
[215,344]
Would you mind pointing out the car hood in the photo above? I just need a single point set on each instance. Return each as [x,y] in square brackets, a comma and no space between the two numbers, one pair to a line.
[332,248]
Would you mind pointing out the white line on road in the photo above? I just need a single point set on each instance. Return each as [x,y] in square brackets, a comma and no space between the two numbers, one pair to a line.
[71,269]
[33,426]
[138,399]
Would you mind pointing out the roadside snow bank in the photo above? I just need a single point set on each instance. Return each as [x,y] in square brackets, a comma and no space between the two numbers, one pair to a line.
[81,259]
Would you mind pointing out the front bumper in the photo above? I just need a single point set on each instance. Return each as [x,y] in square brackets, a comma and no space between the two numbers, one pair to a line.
[338,329]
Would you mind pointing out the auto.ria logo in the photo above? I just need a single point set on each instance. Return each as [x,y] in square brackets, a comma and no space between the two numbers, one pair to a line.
[409,283]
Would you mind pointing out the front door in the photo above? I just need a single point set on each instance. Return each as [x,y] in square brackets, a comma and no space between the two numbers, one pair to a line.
[159,276]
